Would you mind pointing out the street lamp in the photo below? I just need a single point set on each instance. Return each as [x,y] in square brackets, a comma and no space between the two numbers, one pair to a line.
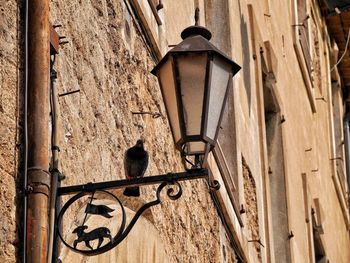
[195,78]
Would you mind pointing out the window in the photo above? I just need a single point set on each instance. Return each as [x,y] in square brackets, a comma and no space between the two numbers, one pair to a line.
[225,154]
[319,252]
[312,209]
[145,16]
[226,151]
[303,46]
[316,56]
[303,31]
[155,6]
[339,158]
[275,164]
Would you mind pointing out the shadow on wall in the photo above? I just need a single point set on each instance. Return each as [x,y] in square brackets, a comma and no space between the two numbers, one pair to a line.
[246,63]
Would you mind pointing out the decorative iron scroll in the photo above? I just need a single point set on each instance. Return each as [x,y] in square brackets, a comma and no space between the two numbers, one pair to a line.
[90,241]
[85,241]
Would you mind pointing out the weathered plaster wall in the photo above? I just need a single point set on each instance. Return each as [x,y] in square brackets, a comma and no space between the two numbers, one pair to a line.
[306,134]
[176,20]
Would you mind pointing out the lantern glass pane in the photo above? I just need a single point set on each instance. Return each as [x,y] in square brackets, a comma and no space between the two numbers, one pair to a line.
[195,148]
[218,85]
[192,69]
[167,83]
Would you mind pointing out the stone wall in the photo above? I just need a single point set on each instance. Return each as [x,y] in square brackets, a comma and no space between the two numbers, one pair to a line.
[109,61]
[10,76]
[251,207]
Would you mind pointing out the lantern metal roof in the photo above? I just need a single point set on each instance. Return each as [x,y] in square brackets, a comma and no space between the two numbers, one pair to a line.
[196,39]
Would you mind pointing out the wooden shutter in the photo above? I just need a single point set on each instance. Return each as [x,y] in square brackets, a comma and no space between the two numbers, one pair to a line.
[304,32]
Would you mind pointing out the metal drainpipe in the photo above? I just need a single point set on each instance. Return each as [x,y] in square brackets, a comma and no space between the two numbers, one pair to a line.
[347,149]
[55,163]
[38,135]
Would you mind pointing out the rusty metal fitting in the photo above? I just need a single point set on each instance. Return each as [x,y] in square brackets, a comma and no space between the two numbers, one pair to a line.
[36,188]
[37,175]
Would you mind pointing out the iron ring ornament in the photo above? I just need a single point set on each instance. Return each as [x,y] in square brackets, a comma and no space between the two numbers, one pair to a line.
[101,234]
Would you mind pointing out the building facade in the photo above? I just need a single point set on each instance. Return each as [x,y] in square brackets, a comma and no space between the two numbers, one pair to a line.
[281,153]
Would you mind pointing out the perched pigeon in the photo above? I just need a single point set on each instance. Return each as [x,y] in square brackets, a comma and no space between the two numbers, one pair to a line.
[135,165]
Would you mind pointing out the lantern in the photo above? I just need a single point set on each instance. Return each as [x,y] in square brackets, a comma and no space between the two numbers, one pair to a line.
[195,78]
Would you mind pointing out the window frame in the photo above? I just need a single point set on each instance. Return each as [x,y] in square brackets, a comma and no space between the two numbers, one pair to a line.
[336,88]
[227,178]
[306,70]
[150,24]
[153,6]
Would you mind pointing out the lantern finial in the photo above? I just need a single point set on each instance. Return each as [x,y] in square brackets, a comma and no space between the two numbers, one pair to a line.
[196,29]
[196,16]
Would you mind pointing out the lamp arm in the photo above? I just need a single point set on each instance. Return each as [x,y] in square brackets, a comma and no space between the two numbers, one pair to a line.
[174,192]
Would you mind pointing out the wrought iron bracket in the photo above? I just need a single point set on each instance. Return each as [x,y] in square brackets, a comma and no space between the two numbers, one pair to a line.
[174,192]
